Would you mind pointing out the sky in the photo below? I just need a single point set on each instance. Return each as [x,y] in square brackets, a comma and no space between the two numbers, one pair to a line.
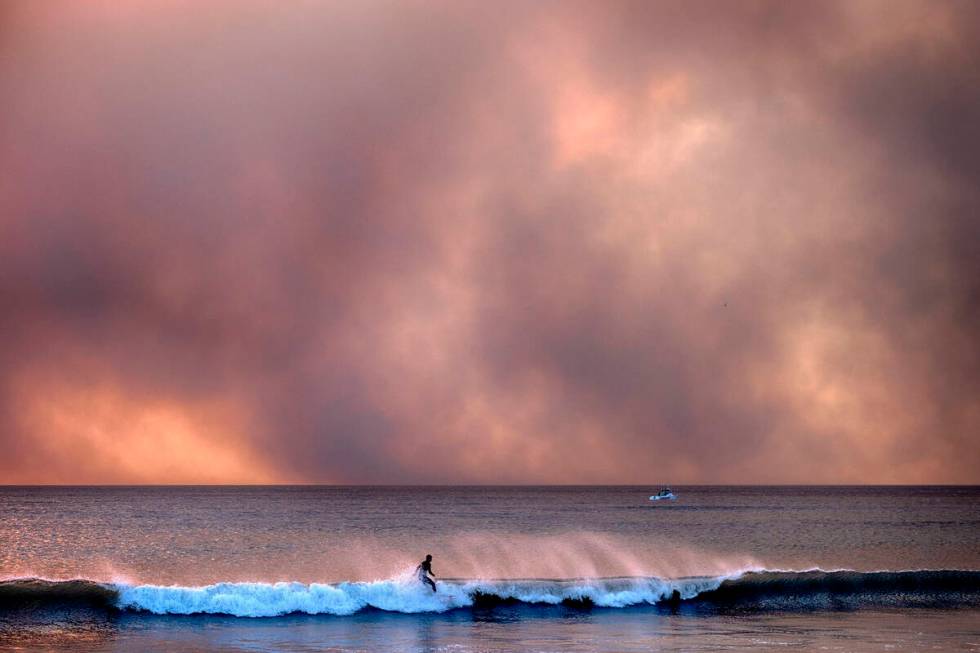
[490,242]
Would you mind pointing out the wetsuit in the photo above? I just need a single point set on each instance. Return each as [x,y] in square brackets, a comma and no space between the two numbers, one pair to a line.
[424,569]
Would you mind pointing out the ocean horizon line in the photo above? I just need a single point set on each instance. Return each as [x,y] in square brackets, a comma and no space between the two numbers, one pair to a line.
[488,485]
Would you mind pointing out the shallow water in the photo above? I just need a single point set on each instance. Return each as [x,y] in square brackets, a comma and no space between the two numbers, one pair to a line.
[522,629]
[594,546]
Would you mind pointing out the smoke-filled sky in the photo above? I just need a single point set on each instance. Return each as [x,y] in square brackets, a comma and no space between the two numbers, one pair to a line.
[485,242]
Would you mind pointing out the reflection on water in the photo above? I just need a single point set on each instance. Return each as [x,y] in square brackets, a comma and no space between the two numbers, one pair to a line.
[75,627]
[498,630]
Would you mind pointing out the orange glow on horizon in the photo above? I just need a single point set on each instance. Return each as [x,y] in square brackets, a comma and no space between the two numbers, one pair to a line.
[101,435]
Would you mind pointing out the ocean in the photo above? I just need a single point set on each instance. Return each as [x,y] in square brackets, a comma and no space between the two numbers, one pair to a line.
[304,568]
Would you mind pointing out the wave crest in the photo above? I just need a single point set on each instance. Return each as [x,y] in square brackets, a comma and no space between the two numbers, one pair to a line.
[794,590]
[408,596]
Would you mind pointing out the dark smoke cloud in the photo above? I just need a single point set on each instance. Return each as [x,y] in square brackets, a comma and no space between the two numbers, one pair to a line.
[462,242]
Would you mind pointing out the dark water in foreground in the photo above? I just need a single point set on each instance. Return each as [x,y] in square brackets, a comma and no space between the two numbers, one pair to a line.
[520,569]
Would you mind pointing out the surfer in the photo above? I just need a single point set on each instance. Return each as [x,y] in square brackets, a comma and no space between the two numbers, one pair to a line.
[424,569]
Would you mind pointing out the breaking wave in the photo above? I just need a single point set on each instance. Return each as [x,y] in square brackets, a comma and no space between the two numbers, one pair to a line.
[777,590]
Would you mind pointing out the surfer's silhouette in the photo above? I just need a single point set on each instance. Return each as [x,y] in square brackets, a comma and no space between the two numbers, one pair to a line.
[424,569]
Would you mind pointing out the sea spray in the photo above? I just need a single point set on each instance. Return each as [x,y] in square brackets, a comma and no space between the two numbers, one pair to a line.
[276,599]
[767,590]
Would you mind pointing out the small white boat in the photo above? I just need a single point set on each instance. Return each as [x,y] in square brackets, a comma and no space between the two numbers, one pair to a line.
[664,495]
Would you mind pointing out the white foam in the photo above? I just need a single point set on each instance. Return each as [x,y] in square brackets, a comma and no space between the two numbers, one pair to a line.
[396,595]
